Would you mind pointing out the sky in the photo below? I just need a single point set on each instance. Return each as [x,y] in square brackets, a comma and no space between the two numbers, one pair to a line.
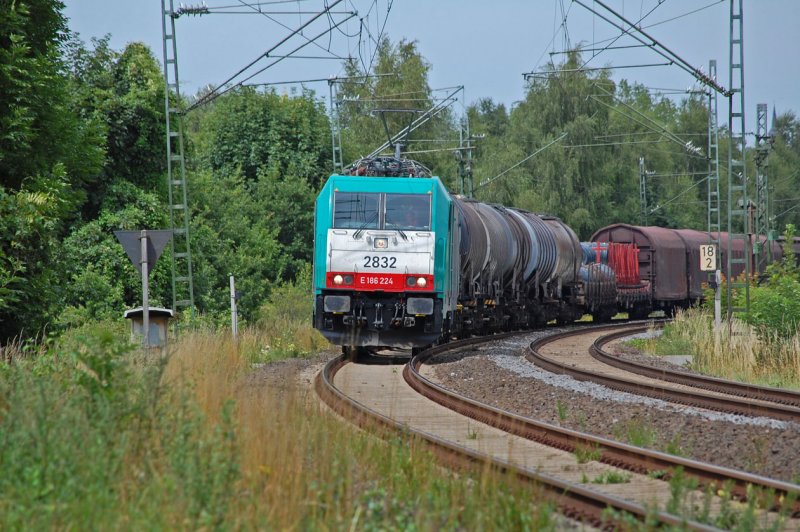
[484,46]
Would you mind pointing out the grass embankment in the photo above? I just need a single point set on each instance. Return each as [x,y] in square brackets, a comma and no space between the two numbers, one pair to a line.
[746,355]
[96,436]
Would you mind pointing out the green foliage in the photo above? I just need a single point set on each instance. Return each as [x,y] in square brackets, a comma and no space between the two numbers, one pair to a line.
[94,436]
[680,488]
[775,306]
[562,410]
[612,477]
[285,320]
[784,169]
[82,428]
[637,432]
[39,127]
[256,133]
[591,177]
[401,85]
[675,446]
[233,235]
[587,453]
[123,92]
[103,281]
[262,158]
[47,156]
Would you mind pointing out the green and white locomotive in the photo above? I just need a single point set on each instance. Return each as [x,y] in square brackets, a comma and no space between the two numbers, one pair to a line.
[385,269]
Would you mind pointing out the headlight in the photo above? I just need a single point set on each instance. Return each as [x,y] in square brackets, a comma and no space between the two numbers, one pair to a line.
[348,279]
[338,279]
[411,281]
[421,282]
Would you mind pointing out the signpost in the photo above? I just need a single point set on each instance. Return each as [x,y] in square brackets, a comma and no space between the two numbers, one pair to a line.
[144,248]
[234,315]
[708,263]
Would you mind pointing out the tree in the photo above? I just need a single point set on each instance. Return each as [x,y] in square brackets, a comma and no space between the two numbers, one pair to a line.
[48,155]
[256,132]
[591,177]
[123,91]
[388,97]
[232,232]
[101,281]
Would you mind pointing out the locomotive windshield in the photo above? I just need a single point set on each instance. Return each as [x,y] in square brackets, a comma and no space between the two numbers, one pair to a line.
[356,210]
[360,210]
[408,211]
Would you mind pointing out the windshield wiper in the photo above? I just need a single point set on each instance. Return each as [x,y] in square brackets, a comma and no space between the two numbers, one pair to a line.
[360,230]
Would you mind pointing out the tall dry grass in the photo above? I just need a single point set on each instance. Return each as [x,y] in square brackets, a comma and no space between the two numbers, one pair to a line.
[304,468]
[740,353]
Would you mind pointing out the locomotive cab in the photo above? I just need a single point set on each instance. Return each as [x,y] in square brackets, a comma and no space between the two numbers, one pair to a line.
[382,261]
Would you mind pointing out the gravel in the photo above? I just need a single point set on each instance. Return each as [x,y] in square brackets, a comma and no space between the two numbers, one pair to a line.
[498,374]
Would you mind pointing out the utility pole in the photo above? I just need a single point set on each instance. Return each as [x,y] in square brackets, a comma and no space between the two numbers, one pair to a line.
[764,235]
[182,279]
[714,214]
[738,201]
[145,292]
[234,311]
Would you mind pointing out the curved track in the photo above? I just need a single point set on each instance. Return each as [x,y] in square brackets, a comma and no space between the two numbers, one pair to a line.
[734,388]
[379,395]
[583,358]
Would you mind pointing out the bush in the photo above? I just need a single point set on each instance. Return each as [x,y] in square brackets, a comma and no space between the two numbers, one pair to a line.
[285,322]
[91,439]
[775,308]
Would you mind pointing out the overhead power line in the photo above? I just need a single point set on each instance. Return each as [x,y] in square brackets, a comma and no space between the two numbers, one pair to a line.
[424,117]
[504,172]
[284,26]
[219,91]
[648,122]
[657,46]
[567,52]
[547,73]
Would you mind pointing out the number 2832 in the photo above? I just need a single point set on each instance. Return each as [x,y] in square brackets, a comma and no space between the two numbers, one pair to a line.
[372,261]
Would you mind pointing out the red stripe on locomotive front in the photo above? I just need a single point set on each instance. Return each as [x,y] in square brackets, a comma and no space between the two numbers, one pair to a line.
[380,282]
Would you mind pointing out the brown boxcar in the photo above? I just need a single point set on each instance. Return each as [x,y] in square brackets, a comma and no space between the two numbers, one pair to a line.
[670,259]
[695,277]
[662,259]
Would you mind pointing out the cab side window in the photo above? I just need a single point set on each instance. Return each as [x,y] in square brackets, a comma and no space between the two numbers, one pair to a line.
[408,211]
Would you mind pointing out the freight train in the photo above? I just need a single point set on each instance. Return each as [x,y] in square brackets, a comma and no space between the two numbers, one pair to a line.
[401,262]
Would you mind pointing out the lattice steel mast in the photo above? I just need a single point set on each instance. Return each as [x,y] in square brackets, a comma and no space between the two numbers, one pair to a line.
[182,281]
[738,202]
[714,214]
[763,230]
[643,190]
[336,131]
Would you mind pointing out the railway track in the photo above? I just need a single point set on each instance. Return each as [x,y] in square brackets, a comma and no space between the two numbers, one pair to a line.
[465,432]
[779,396]
[585,359]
